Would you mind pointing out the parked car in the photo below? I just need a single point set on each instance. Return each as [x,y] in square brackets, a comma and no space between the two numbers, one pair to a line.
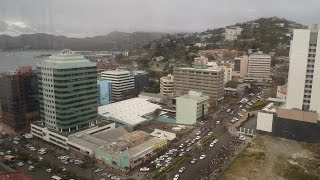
[20,164]
[202,156]
[182,169]
[176,177]
[194,160]
[144,169]
[242,138]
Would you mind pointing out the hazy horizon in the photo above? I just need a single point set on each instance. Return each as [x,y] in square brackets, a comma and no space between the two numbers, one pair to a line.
[81,18]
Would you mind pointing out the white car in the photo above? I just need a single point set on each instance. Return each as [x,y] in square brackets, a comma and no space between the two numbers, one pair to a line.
[176,177]
[20,164]
[198,133]
[33,148]
[181,154]
[49,170]
[182,169]
[1,153]
[194,160]
[144,169]
[242,138]
[211,144]
[182,150]
[215,141]
[228,110]
[15,142]
[202,156]
[181,146]
[188,149]
[98,170]
[198,137]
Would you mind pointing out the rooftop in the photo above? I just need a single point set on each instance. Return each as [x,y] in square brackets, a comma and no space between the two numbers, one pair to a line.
[259,55]
[116,72]
[13,176]
[203,70]
[163,134]
[135,150]
[129,111]
[194,95]
[152,95]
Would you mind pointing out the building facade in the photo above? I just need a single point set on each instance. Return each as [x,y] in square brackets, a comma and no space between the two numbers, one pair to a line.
[141,80]
[192,107]
[282,91]
[304,70]
[240,68]
[122,82]
[67,85]
[19,98]
[104,91]
[208,81]
[167,85]
[259,68]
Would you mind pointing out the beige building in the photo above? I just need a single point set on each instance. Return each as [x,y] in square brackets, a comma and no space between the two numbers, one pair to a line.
[167,85]
[259,68]
[240,68]
[210,81]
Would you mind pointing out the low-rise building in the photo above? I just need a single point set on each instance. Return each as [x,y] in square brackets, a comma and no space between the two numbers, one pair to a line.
[240,68]
[129,113]
[192,107]
[155,98]
[282,91]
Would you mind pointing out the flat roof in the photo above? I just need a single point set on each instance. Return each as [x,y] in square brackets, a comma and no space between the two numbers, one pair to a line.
[163,134]
[140,148]
[276,100]
[129,111]
[95,140]
[115,72]
[152,95]
[204,70]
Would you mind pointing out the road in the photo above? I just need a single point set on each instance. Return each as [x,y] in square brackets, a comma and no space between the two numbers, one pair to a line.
[197,170]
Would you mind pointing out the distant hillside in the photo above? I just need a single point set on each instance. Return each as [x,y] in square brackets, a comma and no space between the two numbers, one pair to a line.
[113,41]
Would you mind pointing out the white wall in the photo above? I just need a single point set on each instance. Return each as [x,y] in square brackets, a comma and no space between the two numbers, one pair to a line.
[264,122]
[315,96]
[297,69]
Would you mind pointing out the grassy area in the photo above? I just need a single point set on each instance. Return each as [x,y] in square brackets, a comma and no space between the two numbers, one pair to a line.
[258,106]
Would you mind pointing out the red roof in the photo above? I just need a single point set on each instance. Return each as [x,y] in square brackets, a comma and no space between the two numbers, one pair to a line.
[13,176]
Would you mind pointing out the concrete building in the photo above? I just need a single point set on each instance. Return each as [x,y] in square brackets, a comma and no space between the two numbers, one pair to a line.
[298,117]
[73,140]
[105,92]
[232,33]
[240,68]
[19,99]
[227,69]
[67,85]
[155,98]
[141,80]
[129,113]
[304,70]
[192,107]
[282,91]
[121,81]
[130,150]
[208,81]
[259,68]
[167,85]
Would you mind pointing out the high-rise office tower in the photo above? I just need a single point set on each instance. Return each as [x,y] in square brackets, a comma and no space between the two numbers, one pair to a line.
[67,91]
[304,70]
[19,98]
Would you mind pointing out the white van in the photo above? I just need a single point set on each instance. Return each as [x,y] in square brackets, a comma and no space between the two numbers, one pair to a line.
[54,177]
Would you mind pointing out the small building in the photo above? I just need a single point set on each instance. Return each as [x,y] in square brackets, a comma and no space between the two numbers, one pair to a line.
[192,107]
[129,113]
[129,150]
[105,92]
[13,176]
[282,91]
[259,68]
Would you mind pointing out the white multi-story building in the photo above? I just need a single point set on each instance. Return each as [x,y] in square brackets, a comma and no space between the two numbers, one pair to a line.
[121,81]
[226,68]
[304,71]
[167,85]
[232,33]
[259,68]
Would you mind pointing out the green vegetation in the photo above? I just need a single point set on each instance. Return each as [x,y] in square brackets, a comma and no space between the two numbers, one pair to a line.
[258,106]
[296,172]
[208,140]
[232,84]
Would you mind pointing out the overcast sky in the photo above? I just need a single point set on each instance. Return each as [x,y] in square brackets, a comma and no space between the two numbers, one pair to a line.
[96,17]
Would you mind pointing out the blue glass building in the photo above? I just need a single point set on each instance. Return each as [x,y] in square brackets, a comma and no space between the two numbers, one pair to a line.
[105,92]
